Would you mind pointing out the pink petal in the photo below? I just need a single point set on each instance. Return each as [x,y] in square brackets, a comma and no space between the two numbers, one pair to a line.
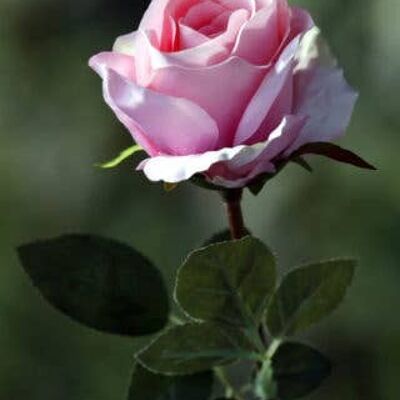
[266,95]
[320,92]
[188,37]
[300,22]
[127,44]
[159,123]
[261,37]
[207,53]
[241,173]
[222,90]
[159,19]
[324,95]
[136,43]
[122,64]
[196,49]
[175,169]
[233,5]
[282,106]
[202,14]
[218,25]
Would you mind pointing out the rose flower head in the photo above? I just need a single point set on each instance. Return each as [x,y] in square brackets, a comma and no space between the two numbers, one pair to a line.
[228,90]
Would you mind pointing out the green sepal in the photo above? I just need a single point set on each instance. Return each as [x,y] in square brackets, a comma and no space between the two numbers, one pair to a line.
[130,151]
[302,163]
[258,183]
[200,180]
[334,152]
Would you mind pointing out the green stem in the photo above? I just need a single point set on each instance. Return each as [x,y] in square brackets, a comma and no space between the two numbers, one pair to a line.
[230,390]
[273,347]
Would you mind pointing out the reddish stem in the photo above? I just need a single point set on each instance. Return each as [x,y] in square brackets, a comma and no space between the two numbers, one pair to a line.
[232,199]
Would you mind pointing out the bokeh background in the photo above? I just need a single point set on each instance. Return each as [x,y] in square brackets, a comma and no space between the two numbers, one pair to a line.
[54,126]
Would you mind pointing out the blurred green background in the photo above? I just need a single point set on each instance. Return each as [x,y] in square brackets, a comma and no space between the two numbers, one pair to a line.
[54,126]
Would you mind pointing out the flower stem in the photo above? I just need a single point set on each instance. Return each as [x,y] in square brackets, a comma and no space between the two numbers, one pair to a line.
[232,199]
[230,391]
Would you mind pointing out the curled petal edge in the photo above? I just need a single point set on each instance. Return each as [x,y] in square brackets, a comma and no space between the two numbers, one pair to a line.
[174,169]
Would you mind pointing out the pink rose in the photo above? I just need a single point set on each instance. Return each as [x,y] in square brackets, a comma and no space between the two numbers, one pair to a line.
[224,88]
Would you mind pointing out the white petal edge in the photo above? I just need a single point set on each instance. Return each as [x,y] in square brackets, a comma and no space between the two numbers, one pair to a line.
[174,169]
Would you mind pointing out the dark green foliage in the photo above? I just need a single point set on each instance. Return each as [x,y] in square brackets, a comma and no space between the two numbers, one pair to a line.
[229,282]
[99,282]
[146,385]
[298,370]
[190,348]
[308,294]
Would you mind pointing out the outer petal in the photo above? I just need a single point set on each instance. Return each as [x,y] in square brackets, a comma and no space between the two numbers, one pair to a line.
[328,100]
[300,22]
[124,65]
[242,163]
[267,93]
[223,90]
[147,115]
[180,168]
[135,44]
[127,44]
[320,92]
[239,174]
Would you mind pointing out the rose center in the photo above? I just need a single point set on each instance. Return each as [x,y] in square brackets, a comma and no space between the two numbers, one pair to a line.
[209,17]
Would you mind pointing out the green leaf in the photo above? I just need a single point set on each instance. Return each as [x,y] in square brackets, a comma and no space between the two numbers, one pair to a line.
[146,385]
[99,282]
[308,294]
[186,349]
[298,370]
[229,282]
[121,157]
